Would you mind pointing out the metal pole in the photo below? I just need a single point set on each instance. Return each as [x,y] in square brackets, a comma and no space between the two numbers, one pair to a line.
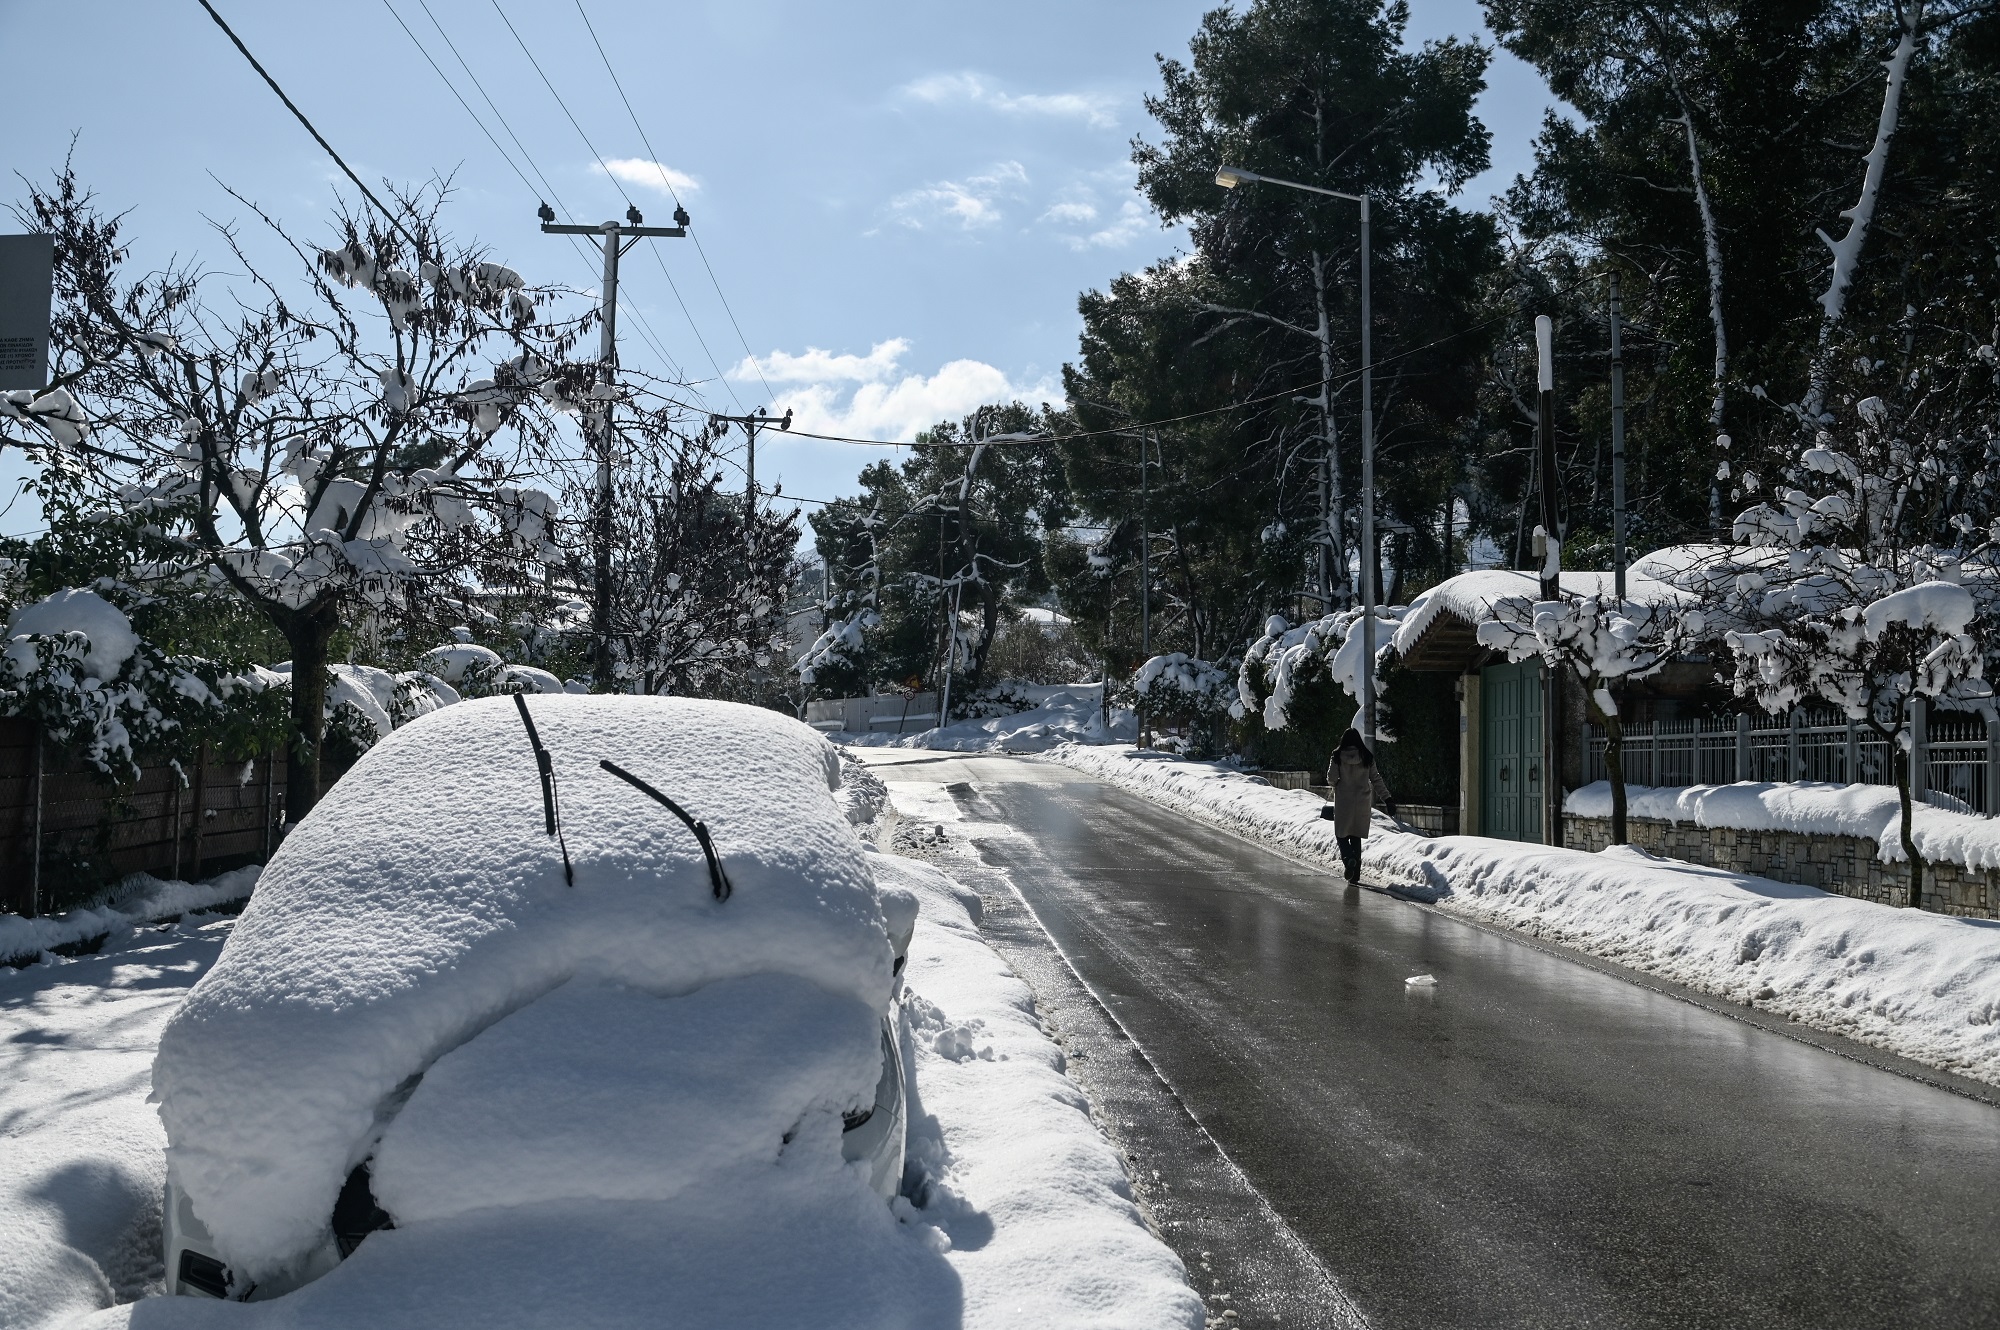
[1145,563]
[1146,591]
[1551,574]
[1617,435]
[270,765]
[1367,492]
[607,354]
[35,872]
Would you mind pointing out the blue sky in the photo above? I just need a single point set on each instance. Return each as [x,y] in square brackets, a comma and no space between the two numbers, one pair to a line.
[900,201]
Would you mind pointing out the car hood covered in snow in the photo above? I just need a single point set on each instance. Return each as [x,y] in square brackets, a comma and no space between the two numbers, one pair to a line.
[422,902]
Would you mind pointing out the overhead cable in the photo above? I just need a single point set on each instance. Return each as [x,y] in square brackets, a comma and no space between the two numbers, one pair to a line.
[319,138]
[604,167]
[646,332]
[658,165]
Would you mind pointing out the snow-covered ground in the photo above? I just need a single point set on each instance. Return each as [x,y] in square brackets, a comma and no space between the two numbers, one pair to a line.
[81,1151]
[1059,714]
[133,902]
[1813,807]
[1924,986]
[1003,1152]
[517,1207]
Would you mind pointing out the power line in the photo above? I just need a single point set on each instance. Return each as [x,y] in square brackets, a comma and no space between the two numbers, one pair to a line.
[616,185]
[660,166]
[317,136]
[547,190]
[1335,383]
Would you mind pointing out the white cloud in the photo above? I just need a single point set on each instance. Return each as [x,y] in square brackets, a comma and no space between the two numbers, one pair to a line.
[1132,222]
[972,202]
[817,366]
[1092,108]
[647,175]
[1071,212]
[883,404]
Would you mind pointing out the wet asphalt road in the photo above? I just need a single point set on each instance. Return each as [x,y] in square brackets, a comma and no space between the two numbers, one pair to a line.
[1532,1143]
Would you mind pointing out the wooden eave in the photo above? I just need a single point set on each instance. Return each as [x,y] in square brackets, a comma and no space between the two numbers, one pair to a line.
[1449,645]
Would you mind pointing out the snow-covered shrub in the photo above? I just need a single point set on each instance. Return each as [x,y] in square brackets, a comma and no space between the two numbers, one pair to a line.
[73,664]
[1287,659]
[1005,697]
[838,650]
[1185,690]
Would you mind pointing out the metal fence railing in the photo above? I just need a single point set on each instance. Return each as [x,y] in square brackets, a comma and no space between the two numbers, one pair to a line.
[1956,754]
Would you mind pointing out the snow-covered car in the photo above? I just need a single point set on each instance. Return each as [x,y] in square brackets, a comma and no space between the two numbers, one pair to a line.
[600,950]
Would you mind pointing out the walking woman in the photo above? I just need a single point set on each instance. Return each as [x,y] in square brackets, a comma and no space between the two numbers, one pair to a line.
[1358,788]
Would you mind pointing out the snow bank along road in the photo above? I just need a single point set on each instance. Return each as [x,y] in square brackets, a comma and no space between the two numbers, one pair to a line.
[1023,1216]
[1532,1141]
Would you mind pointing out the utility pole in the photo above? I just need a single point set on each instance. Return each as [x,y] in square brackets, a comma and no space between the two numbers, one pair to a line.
[1548,544]
[598,421]
[1145,591]
[751,423]
[1617,436]
[1371,563]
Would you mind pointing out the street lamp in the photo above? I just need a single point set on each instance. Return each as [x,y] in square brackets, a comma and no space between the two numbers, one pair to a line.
[1229,177]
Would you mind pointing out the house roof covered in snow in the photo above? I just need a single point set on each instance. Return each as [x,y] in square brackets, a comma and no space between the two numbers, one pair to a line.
[1441,630]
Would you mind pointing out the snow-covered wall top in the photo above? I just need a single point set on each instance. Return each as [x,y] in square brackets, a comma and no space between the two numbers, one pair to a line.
[421,901]
[1811,807]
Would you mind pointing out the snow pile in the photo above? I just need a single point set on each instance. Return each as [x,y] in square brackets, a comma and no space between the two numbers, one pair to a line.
[421,902]
[138,899]
[1004,1158]
[1811,807]
[81,1162]
[1922,985]
[862,793]
[1057,714]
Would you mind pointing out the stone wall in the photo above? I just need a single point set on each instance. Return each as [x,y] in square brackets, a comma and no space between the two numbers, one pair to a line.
[1845,865]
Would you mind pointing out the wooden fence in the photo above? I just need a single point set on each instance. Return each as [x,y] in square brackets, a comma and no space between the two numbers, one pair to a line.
[60,823]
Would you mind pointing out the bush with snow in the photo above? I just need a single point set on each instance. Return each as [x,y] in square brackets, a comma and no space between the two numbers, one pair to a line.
[1287,660]
[73,664]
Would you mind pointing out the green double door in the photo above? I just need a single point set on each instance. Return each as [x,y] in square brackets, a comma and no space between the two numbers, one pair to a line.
[1510,751]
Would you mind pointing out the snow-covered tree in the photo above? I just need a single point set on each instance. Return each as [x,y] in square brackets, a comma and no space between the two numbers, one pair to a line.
[361,433]
[72,663]
[1287,659]
[699,585]
[1602,642]
[1876,597]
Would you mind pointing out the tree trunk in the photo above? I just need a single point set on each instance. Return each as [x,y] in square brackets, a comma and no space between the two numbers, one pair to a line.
[1904,771]
[1846,251]
[308,634]
[1614,767]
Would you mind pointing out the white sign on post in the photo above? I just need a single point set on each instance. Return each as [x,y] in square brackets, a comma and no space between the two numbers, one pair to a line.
[27,283]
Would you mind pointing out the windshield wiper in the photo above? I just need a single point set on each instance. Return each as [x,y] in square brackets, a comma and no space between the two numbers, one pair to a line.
[717,878]
[551,807]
